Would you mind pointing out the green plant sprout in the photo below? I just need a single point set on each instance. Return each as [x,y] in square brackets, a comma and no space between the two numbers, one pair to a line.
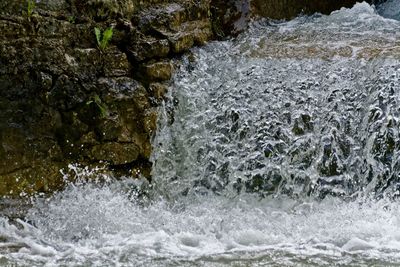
[30,8]
[104,38]
[102,107]
[71,19]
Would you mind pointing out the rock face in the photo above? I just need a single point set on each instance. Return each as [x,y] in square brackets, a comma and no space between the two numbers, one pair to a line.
[64,100]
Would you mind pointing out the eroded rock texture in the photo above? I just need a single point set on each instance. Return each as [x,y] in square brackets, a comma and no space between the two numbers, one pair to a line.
[63,100]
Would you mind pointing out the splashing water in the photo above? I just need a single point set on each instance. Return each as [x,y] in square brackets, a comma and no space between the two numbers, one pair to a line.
[309,107]
[284,151]
[390,9]
[95,226]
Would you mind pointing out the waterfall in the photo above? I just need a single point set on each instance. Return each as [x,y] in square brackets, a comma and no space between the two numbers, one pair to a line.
[304,108]
[390,9]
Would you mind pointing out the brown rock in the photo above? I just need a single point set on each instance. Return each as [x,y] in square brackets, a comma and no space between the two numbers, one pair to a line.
[158,71]
[150,121]
[115,153]
[158,91]
[116,63]
[181,42]
[142,47]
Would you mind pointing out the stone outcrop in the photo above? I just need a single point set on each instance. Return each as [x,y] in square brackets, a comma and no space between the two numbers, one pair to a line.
[64,100]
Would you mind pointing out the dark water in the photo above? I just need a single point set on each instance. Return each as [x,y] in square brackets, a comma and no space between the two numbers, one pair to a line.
[284,151]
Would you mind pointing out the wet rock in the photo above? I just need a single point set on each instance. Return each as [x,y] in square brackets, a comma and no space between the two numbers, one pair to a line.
[229,16]
[189,33]
[161,16]
[150,121]
[20,6]
[158,91]
[66,93]
[12,28]
[115,63]
[105,9]
[63,100]
[141,47]
[123,93]
[33,178]
[158,71]
[278,9]
[181,42]
[115,153]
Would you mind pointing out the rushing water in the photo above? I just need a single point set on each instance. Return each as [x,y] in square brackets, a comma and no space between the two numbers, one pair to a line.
[283,150]
[390,9]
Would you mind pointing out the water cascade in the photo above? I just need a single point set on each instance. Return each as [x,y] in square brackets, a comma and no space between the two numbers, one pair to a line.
[280,147]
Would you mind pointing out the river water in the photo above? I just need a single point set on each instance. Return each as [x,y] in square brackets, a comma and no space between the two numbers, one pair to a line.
[280,147]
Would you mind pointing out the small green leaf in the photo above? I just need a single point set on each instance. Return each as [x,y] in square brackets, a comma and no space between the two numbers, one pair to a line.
[30,8]
[71,19]
[107,35]
[97,99]
[103,110]
[103,39]
[97,32]
[102,107]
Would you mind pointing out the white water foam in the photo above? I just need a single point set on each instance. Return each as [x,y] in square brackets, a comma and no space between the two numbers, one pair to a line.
[97,226]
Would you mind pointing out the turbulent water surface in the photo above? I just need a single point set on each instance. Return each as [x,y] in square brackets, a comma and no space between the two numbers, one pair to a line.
[283,150]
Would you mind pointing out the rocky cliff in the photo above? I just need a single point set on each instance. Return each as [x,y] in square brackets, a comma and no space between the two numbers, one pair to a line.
[66,99]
